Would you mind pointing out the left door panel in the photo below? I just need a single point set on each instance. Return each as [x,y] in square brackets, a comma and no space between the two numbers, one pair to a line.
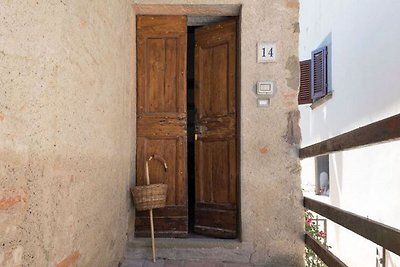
[161,118]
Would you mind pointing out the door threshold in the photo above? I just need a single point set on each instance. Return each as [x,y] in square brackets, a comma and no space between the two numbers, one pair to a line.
[189,243]
[200,236]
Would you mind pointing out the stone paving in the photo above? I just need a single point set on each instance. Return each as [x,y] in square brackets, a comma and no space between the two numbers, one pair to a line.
[180,263]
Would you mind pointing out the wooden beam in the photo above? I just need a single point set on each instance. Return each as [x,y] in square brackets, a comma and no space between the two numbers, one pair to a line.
[381,234]
[322,252]
[187,10]
[376,132]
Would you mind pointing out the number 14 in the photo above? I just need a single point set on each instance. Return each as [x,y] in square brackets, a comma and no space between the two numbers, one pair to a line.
[270,52]
[266,52]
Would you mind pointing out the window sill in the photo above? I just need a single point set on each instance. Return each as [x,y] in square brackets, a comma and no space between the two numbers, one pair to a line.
[322,100]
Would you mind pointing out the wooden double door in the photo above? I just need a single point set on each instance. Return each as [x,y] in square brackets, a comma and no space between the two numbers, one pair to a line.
[162,124]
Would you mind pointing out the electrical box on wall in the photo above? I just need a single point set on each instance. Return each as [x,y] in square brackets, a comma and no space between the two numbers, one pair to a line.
[265,88]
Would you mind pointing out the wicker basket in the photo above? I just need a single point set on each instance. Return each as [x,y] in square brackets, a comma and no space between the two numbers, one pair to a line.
[151,196]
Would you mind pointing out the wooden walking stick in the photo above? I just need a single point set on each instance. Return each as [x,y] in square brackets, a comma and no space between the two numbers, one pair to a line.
[153,245]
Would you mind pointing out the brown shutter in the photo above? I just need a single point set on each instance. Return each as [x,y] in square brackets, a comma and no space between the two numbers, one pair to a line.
[305,82]
[319,75]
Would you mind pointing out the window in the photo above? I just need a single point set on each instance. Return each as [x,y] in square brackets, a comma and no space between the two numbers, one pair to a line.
[322,175]
[314,77]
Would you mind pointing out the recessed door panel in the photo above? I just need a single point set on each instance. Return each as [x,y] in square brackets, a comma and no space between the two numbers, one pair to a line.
[215,149]
[161,118]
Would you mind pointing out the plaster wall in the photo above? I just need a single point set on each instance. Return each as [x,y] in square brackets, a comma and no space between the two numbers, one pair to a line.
[65,132]
[271,200]
[363,64]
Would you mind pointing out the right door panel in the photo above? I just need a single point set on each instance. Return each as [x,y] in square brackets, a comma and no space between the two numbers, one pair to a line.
[215,151]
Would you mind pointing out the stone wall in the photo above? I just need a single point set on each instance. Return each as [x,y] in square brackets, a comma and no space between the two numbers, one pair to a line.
[270,174]
[65,132]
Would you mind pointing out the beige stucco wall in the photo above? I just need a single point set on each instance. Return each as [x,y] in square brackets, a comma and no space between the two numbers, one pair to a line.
[67,132]
[65,129]
[271,200]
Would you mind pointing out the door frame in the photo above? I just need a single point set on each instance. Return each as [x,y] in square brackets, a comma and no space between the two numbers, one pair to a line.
[227,10]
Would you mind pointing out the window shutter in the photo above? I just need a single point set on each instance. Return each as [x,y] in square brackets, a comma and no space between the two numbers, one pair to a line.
[305,82]
[319,82]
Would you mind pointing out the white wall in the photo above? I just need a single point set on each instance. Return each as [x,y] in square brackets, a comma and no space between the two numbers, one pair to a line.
[363,42]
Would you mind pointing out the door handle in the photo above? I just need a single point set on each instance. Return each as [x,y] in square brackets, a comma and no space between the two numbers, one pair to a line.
[200,129]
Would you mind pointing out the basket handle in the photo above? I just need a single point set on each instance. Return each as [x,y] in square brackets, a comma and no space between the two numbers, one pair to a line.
[156,157]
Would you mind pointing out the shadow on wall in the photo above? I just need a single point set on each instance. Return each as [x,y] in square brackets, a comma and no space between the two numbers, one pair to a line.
[391,259]
[328,43]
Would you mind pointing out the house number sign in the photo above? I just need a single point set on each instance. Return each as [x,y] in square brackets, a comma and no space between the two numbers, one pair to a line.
[266,52]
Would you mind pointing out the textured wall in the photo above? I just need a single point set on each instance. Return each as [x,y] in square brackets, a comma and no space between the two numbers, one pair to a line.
[271,207]
[270,180]
[65,132]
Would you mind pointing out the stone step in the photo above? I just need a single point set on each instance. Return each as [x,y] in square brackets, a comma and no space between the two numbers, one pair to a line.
[179,263]
[191,249]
